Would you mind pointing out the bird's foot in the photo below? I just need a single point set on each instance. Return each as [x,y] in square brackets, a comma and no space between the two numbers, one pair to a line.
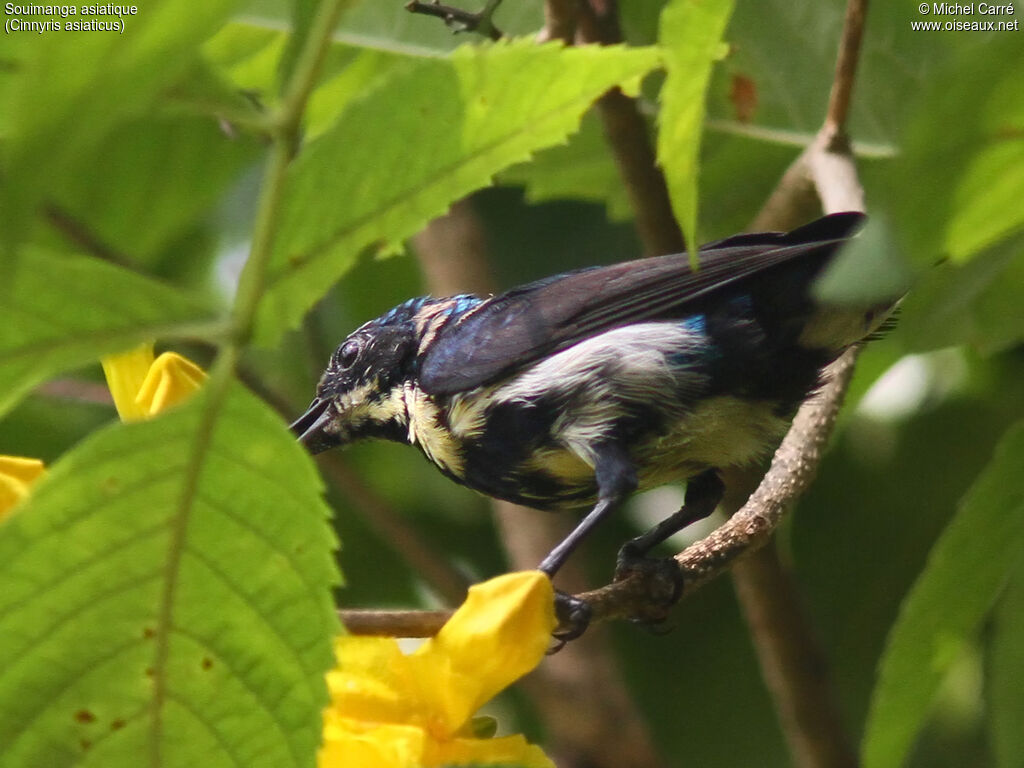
[659,580]
[573,617]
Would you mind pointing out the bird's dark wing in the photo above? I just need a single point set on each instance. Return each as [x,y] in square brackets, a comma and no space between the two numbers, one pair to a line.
[513,330]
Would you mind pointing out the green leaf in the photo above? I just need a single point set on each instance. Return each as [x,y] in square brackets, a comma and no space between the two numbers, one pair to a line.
[462,120]
[247,55]
[71,88]
[976,303]
[165,598]
[582,169]
[691,35]
[59,312]
[966,568]
[115,195]
[1004,672]
[988,197]
[957,187]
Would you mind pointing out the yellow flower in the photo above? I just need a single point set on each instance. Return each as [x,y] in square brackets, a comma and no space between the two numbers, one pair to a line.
[391,710]
[143,387]
[17,474]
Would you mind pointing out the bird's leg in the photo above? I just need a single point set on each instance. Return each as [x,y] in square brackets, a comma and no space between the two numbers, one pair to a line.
[616,479]
[703,493]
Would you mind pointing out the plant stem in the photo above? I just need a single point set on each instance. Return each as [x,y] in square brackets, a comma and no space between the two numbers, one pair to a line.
[285,131]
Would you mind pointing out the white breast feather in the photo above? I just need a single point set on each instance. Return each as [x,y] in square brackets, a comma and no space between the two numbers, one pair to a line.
[596,375]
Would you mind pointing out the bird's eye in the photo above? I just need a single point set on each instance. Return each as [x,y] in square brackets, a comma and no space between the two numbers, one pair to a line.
[348,354]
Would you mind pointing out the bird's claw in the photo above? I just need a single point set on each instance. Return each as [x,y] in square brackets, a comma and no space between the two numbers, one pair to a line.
[661,579]
[573,617]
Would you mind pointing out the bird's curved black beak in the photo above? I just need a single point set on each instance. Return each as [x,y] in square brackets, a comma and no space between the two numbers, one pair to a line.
[311,427]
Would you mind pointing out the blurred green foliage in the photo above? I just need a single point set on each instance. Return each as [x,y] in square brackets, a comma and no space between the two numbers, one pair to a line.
[129,195]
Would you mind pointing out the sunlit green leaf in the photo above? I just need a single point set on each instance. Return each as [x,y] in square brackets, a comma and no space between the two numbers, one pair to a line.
[691,35]
[381,173]
[164,598]
[966,568]
[248,55]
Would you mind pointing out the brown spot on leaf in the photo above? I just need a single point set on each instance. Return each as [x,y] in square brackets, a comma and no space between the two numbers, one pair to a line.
[207,663]
[117,725]
[148,633]
[84,716]
[743,95]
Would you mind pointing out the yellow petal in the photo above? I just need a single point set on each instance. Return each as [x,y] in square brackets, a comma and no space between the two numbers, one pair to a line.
[170,380]
[350,744]
[508,750]
[373,682]
[125,373]
[17,474]
[22,468]
[499,634]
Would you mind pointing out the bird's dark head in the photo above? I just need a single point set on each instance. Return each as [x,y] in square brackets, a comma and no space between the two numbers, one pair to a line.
[362,391]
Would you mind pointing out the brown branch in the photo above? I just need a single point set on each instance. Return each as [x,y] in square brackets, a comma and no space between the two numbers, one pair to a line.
[78,390]
[559,21]
[793,666]
[460,20]
[359,621]
[627,133]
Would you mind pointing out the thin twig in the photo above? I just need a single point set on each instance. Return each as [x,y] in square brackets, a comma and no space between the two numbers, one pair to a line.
[459,20]
[823,177]
[77,390]
[846,65]
[383,623]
